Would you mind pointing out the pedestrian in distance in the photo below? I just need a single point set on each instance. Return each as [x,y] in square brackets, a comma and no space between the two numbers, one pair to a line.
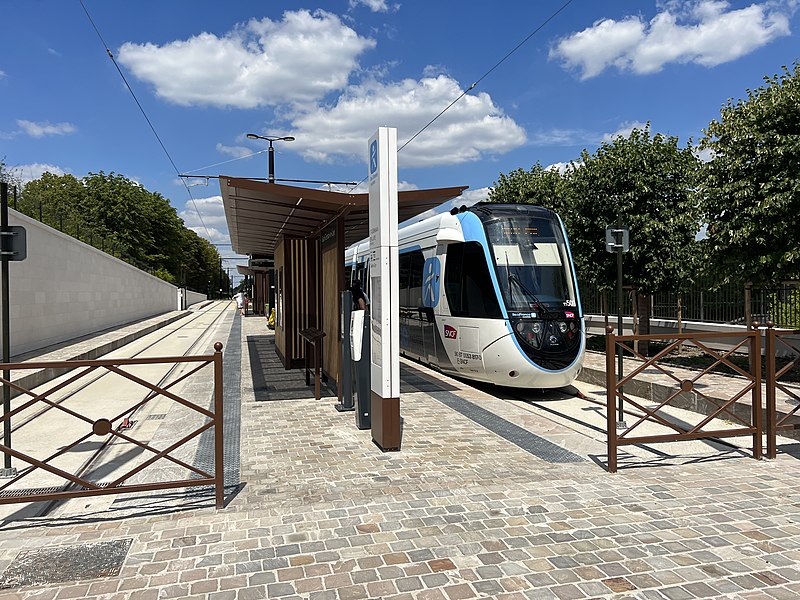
[360,300]
[239,297]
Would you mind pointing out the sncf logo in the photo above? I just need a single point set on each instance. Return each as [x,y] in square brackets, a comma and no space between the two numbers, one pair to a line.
[450,332]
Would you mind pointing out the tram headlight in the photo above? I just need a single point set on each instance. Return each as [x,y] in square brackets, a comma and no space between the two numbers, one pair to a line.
[529,332]
[562,326]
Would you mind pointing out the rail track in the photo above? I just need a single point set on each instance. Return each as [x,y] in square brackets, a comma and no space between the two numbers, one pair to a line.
[49,432]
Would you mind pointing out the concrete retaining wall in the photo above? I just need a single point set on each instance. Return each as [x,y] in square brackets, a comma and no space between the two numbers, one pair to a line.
[66,289]
[195,297]
[595,324]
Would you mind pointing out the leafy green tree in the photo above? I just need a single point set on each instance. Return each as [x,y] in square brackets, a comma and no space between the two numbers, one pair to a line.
[751,187]
[10,178]
[200,263]
[61,199]
[645,182]
[539,186]
[120,216]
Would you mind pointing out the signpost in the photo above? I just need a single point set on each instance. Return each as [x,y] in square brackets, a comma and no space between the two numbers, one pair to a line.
[618,241]
[385,289]
[12,247]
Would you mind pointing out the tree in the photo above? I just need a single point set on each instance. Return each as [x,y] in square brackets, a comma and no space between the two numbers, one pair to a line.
[539,186]
[120,216]
[647,184]
[751,187]
[60,199]
[10,178]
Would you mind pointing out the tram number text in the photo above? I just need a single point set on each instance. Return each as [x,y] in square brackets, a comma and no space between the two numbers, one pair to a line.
[463,358]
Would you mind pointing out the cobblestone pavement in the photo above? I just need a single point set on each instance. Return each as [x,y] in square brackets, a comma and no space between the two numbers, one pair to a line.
[460,512]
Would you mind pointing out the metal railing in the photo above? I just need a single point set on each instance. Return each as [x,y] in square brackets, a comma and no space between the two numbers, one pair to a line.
[113,426]
[775,420]
[669,429]
[730,303]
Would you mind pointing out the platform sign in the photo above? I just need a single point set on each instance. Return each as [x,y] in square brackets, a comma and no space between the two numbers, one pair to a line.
[385,288]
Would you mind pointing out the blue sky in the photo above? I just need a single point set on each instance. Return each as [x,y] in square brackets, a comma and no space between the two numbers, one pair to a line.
[330,72]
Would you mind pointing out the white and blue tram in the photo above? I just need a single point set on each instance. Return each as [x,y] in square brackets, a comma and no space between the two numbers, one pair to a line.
[488,293]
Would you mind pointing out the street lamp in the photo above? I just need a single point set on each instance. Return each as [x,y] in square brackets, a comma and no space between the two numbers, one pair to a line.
[271,151]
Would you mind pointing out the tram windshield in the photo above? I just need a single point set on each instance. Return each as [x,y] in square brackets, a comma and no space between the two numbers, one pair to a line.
[532,264]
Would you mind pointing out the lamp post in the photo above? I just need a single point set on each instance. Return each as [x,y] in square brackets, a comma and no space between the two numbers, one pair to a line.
[271,150]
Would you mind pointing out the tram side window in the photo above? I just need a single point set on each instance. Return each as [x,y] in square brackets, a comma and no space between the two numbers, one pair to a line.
[415,284]
[405,266]
[468,284]
[348,274]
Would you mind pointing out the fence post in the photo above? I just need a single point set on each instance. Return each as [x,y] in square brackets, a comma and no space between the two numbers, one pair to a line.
[611,394]
[219,455]
[755,362]
[769,357]
[748,299]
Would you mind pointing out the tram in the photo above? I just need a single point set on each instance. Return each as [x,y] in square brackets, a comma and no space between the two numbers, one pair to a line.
[488,293]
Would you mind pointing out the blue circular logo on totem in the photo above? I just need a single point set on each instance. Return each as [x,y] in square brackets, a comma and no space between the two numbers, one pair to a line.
[373,157]
[430,281]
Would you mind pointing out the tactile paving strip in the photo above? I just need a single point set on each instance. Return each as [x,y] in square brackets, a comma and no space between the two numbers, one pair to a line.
[231,415]
[530,442]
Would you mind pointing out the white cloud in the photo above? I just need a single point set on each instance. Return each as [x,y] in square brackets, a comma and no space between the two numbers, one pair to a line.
[561,167]
[704,154]
[472,128]
[705,32]
[597,47]
[561,137]
[261,63]
[468,198]
[624,130]
[26,173]
[236,151]
[215,231]
[213,225]
[375,5]
[44,128]
[2,73]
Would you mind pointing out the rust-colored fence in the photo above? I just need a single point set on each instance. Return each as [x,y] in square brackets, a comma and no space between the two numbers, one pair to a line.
[774,342]
[647,413]
[108,421]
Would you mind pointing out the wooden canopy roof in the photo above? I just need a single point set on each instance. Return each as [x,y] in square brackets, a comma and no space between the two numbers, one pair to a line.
[258,212]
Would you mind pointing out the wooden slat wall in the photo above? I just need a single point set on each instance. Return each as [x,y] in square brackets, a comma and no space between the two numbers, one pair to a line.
[332,284]
[330,312]
[302,300]
[260,285]
[280,328]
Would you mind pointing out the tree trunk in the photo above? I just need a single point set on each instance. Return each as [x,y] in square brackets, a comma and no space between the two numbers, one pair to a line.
[604,305]
[643,316]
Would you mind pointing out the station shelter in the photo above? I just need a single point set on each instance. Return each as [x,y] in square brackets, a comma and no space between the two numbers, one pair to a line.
[296,238]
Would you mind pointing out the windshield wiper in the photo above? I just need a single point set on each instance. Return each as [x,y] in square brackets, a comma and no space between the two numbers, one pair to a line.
[513,278]
[510,291]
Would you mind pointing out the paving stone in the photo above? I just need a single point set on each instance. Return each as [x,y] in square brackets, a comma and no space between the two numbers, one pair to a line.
[459,512]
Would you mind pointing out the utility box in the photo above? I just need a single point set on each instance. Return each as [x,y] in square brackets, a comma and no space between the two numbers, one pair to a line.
[362,378]
[346,385]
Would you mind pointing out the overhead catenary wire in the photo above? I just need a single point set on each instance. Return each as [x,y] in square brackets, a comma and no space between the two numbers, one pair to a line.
[406,143]
[144,114]
[484,76]
[225,162]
